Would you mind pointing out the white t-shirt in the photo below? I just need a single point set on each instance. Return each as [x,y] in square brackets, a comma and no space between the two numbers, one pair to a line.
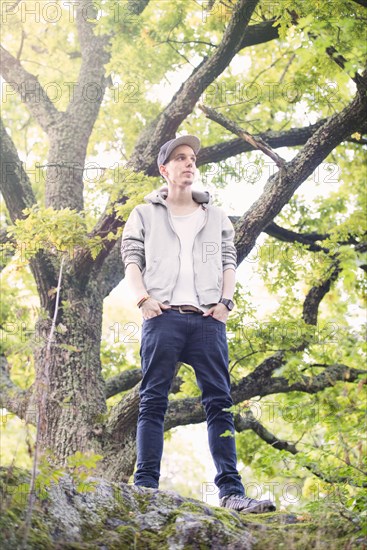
[186,228]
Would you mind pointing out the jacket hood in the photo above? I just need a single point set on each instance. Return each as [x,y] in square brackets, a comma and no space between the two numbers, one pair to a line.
[159,196]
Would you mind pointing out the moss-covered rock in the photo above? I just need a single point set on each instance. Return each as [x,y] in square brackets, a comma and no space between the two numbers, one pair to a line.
[116,516]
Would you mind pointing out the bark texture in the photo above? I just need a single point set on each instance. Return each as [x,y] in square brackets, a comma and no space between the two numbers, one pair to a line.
[75,404]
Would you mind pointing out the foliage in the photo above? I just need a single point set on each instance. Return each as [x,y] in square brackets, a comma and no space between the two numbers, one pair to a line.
[57,230]
[287,83]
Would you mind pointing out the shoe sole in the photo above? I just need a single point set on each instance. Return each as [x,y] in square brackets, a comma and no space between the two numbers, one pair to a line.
[259,509]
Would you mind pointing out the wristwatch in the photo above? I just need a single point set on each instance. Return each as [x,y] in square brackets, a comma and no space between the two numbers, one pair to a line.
[228,303]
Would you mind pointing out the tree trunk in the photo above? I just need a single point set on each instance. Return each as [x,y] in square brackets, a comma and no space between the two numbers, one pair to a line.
[70,379]
[71,393]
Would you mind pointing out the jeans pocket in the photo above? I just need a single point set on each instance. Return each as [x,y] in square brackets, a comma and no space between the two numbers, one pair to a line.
[218,321]
[152,318]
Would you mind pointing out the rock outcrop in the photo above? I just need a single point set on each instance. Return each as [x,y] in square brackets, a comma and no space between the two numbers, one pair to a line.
[100,515]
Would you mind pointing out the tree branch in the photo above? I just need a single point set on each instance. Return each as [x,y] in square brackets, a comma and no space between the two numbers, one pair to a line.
[5,253]
[129,378]
[289,138]
[4,237]
[15,185]
[18,194]
[286,235]
[137,6]
[339,59]
[31,92]
[281,186]
[247,421]
[255,142]
[12,7]
[69,139]
[112,271]
[12,398]
[69,132]
[87,97]
[231,148]
[260,33]
[190,411]
[327,378]
[124,415]
[308,239]
[317,293]
[263,372]
[108,223]
[122,382]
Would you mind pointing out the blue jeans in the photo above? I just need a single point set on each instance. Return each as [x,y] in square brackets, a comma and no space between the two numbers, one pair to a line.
[202,343]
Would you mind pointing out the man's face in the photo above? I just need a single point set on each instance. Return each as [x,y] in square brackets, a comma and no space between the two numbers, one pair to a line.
[180,168]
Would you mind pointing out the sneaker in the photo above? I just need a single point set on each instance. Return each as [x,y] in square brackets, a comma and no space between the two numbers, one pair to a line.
[247,505]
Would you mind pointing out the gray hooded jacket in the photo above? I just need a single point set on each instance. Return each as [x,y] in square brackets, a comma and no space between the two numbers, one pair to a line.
[149,240]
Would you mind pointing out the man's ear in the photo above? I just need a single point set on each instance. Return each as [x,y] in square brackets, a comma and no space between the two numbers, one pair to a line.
[163,170]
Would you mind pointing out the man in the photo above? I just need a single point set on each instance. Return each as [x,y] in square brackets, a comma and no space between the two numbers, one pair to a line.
[180,263]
